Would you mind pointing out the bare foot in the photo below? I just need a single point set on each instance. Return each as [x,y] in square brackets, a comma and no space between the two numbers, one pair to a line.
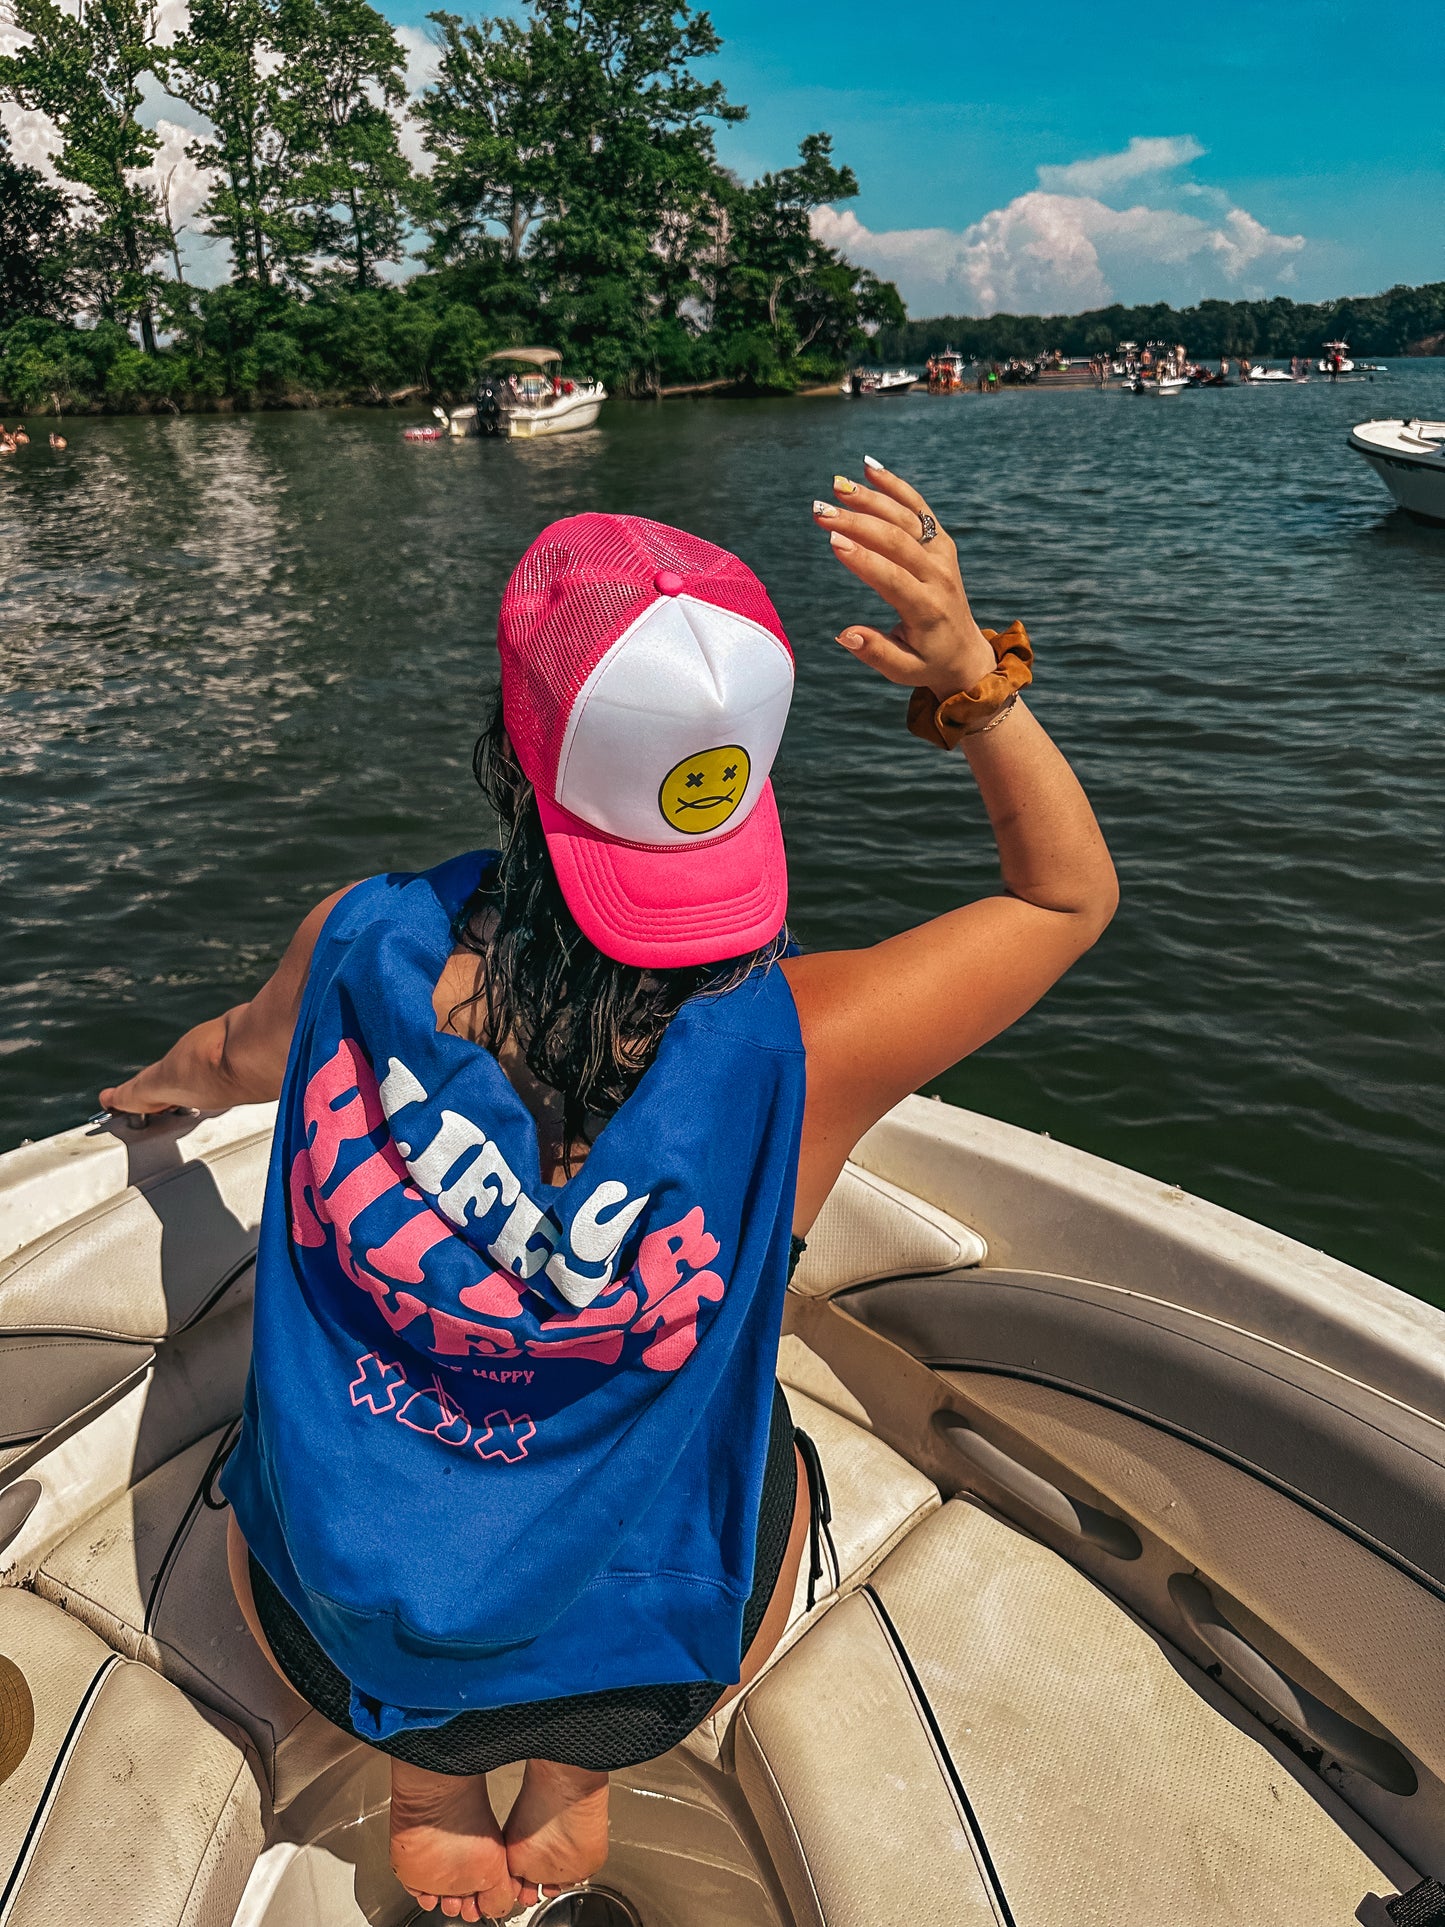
[446,1846]
[556,1832]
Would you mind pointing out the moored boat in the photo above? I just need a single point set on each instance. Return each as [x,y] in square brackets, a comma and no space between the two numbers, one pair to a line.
[525,400]
[945,372]
[1335,359]
[1133,1590]
[880,381]
[1409,458]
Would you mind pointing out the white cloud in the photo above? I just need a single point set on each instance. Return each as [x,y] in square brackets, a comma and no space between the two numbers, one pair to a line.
[1060,247]
[1145,154]
[421,60]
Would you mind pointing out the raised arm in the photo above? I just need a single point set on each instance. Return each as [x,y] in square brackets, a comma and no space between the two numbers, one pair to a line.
[879,1022]
[238,1057]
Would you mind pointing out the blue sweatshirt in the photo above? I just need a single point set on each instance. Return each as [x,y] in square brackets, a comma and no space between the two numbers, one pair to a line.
[503,1439]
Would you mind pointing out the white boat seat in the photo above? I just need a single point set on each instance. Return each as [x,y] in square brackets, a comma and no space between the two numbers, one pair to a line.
[127,1805]
[981,1734]
[870,1229]
[148,1575]
[84,1304]
[877,1499]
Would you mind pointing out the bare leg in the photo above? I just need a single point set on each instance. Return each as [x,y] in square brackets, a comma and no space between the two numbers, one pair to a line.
[236,1560]
[446,1845]
[775,1619]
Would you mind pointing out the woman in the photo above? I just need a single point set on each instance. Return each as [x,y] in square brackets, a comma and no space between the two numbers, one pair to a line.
[514,1481]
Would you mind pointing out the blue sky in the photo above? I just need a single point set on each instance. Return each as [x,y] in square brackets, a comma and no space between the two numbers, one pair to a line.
[1017,158]
[1320,138]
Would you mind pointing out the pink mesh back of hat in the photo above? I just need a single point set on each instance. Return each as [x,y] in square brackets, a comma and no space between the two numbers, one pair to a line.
[581,584]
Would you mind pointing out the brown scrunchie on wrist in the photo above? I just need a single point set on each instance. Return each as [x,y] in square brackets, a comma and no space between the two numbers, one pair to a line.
[946,723]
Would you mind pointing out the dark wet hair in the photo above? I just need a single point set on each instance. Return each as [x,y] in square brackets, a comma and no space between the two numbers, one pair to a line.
[587,1025]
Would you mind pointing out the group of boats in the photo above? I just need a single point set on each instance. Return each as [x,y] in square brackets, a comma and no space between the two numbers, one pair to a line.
[523,394]
[1159,369]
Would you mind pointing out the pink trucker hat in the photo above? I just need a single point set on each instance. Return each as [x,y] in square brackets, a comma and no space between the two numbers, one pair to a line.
[645,683]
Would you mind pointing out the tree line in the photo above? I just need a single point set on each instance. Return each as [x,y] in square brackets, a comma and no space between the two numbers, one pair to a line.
[573,198]
[1397,322]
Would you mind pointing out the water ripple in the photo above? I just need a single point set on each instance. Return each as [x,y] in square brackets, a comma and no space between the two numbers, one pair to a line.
[243,660]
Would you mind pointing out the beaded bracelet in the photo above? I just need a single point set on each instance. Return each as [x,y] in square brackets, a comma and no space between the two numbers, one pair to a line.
[970,711]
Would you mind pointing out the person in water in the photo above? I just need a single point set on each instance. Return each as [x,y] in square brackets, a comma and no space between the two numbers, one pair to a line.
[514,1481]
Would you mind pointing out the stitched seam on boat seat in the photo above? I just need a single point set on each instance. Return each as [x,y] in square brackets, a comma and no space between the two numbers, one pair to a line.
[988,1872]
[182,1531]
[784,1809]
[209,1304]
[36,1829]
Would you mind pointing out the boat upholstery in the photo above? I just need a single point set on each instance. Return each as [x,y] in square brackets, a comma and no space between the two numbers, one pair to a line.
[127,1806]
[1324,1608]
[981,1733]
[869,1228]
[148,1574]
[158,1243]
[876,1497]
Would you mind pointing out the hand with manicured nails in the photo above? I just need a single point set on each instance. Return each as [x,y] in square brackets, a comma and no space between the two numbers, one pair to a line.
[936,644]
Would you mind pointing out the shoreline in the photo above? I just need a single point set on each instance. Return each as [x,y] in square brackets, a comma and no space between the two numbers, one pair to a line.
[417,399]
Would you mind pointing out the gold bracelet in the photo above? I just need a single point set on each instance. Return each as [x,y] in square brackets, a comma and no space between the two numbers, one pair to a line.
[999,716]
[946,723]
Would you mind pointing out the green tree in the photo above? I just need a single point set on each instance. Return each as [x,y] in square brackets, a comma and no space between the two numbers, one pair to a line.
[574,154]
[38,266]
[84,71]
[219,64]
[635,166]
[349,186]
[779,292]
[489,124]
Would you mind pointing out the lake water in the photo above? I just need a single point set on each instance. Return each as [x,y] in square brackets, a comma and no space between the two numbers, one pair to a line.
[243,661]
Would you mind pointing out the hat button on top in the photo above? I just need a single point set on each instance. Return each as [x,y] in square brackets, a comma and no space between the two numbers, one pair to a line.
[667,582]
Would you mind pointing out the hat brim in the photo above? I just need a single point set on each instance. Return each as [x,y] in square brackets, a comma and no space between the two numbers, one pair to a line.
[666,909]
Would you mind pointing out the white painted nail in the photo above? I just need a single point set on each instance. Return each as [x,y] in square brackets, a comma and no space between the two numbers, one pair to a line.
[872,461]
[824,508]
[841,543]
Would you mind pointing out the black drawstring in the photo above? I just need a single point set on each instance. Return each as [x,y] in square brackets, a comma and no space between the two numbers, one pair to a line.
[820,1514]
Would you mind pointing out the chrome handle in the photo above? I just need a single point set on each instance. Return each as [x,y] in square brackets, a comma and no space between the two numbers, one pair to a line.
[1073,1516]
[1366,1752]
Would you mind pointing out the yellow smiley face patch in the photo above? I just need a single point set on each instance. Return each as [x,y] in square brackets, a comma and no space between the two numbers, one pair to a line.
[701,792]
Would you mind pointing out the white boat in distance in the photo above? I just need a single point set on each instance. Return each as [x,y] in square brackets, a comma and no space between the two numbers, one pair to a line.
[1262,373]
[879,381]
[526,404]
[1131,1605]
[1157,384]
[1335,359]
[1409,458]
